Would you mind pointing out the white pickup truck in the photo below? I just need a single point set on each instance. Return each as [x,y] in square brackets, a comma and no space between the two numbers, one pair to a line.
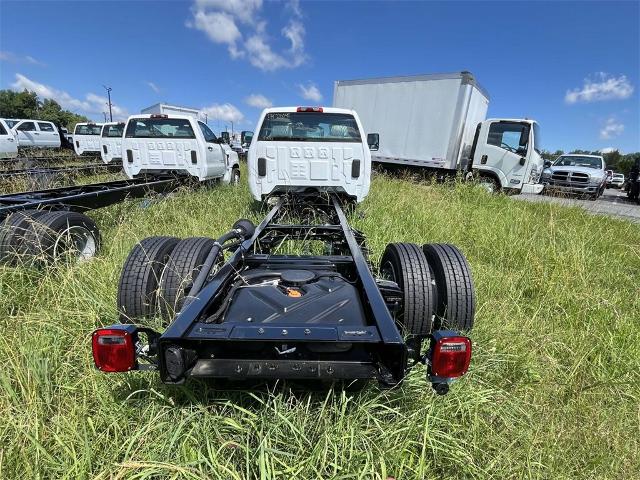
[36,134]
[86,138]
[8,144]
[161,143]
[111,142]
[302,148]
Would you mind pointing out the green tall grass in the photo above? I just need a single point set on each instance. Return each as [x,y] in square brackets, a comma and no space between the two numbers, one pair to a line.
[553,390]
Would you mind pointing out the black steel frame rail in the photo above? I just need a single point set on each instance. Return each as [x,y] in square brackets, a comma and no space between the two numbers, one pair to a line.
[55,170]
[85,197]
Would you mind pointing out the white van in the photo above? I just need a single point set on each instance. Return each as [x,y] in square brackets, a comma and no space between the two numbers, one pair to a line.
[162,143]
[111,142]
[36,134]
[8,144]
[86,137]
[302,148]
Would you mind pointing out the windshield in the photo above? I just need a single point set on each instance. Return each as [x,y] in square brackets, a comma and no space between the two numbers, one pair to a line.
[88,130]
[577,161]
[113,130]
[159,128]
[11,123]
[309,127]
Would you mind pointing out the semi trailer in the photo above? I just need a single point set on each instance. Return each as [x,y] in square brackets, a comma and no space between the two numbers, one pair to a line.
[438,122]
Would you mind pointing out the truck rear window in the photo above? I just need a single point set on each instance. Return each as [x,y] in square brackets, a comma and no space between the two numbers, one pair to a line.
[113,130]
[309,127]
[87,130]
[159,128]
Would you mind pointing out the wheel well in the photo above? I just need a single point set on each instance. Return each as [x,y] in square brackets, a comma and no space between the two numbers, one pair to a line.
[493,175]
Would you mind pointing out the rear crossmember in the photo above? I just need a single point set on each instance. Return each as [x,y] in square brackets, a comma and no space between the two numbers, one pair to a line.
[268,316]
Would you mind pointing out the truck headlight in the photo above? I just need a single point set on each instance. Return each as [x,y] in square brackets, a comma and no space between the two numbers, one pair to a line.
[546,174]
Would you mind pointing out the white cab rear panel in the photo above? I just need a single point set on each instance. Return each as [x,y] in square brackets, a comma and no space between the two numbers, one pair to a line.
[292,166]
[192,155]
[83,143]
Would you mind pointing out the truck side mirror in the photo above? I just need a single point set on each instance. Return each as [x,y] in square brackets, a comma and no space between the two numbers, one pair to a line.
[524,137]
[373,140]
[547,163]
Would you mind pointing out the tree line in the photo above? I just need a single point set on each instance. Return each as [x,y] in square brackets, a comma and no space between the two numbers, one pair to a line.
[26,104]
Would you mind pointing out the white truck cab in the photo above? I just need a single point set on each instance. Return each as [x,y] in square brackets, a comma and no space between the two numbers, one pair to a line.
[8,144]
[86,138]
[303,148]
[111,141]
[508,151]
[162,143]
[36,134]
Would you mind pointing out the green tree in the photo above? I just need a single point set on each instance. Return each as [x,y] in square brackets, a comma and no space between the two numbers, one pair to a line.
[26,104]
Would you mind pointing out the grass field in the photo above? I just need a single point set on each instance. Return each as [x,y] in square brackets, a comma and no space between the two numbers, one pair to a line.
[553,390]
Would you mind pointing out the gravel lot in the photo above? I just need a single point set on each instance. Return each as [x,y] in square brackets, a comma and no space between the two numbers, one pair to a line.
[613,203]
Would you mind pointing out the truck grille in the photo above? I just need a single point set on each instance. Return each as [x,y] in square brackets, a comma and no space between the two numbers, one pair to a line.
[570,177]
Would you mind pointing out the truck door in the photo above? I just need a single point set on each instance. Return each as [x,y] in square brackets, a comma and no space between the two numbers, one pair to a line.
[216,157]
[502,151]
[27,134]
[49,137]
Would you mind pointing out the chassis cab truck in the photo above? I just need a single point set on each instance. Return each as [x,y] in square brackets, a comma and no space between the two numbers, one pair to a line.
[244,308]
[437,122]
[111,142]
[8,143]
[86,138]
[36,134]
[300,148]
[162,143]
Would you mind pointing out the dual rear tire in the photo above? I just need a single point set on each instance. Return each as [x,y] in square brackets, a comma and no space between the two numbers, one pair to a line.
[41,237]
[157,276]
[437,287]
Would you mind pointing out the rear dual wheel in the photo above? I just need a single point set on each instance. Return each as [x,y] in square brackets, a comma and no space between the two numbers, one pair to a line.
[42,237]
[436,284]
[157,276]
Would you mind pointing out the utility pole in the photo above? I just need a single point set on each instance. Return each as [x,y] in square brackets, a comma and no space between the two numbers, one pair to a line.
[105,116]
[108,89]
[232,129]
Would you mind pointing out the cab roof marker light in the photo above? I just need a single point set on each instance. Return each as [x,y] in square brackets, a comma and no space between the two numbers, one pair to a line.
[310,109]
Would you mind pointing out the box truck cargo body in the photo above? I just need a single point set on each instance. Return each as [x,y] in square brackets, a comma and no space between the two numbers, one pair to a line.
[438,122]
[165,109]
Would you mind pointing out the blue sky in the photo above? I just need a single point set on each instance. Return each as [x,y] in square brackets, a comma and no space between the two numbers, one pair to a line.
[573,66]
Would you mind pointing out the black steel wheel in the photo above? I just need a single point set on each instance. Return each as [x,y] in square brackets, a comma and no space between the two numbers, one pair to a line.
[140,277]
[183,266]
[57,234]
[405,264]
[456,301]
[12,232]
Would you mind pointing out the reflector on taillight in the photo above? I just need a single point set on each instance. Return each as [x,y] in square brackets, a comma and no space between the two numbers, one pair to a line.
[450,357]
[114,350]
[309,109]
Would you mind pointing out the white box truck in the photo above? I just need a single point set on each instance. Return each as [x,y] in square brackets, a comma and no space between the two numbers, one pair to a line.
[438,122]
[166,109]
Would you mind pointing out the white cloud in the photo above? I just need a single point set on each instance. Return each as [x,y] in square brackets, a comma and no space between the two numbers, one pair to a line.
[153,87]
[612,128]
[258,101]
[92,103]
[310,92]
[13,58]
[226,112]
[221,21]
[601,86]
[609,150]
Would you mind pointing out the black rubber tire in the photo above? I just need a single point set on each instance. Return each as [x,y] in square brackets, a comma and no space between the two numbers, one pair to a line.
[12,232]
[235,176]
[183,266]
[140,278]
[405,264]
[490,182]
[46,239]
[456,300]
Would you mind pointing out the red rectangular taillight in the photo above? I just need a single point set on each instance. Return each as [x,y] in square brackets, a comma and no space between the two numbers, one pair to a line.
[113,350]
[450,357]
[309,109]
